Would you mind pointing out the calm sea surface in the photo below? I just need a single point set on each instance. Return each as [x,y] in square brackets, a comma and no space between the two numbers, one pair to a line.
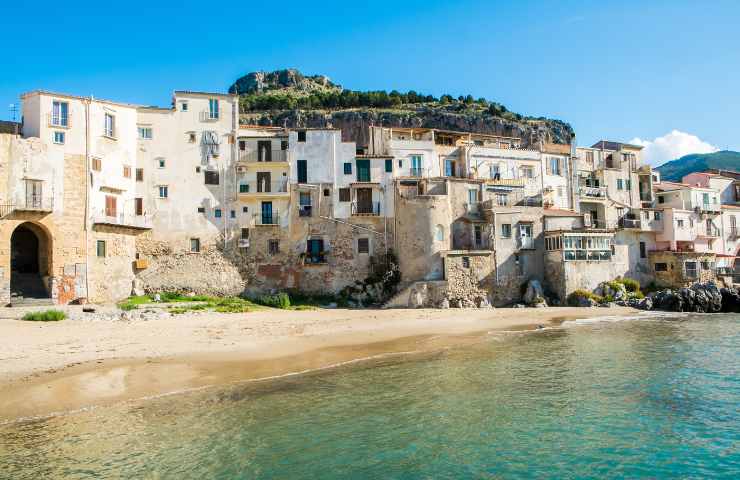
[642,398]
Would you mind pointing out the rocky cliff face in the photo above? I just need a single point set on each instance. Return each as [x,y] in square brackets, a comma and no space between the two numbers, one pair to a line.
[444,113]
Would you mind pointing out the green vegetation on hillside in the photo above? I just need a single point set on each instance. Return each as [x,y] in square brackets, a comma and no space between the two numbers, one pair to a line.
[699,162]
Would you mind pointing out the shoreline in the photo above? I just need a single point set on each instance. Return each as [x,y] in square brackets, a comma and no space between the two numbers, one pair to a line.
[52,368]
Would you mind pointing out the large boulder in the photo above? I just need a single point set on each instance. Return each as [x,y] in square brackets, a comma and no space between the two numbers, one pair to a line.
[730,300]
[613,290]
[534,294]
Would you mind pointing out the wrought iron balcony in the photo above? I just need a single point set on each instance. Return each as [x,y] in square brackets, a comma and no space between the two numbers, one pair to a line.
[366,208]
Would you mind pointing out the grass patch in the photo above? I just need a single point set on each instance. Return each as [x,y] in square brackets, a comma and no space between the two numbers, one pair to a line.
[575,297]
[131,303]
[221,305]
[45,316]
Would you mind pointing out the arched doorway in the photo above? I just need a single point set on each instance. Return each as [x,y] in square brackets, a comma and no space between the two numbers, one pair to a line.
[29,261]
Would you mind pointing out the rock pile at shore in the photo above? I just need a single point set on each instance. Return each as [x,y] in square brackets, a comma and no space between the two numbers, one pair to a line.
[699,298]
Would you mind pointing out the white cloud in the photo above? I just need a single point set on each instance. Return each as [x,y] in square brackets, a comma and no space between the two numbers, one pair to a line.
[671,146]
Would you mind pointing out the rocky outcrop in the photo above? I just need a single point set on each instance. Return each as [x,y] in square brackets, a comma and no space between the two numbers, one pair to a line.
[289,78]
[534,295]
[700,298]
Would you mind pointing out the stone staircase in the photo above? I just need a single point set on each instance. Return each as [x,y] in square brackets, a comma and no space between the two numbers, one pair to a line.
[27,289]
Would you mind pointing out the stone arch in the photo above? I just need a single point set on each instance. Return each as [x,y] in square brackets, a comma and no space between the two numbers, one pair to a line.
[30,260]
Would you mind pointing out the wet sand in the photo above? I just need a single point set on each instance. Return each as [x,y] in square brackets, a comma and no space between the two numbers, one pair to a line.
[62,366]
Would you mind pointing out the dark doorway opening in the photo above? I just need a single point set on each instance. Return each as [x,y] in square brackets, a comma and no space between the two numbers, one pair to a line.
[28,262]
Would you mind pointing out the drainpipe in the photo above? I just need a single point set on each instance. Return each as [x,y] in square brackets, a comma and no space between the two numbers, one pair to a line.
[87,196]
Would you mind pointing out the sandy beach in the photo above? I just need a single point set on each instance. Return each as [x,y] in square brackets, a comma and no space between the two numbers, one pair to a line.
[48,367]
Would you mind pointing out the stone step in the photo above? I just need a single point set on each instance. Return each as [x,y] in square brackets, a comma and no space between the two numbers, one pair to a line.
[30,302]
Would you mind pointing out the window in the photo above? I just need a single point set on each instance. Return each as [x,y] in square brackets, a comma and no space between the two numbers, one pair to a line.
[553,166]
[197,169]
[620,184]
[245,209]
[506,230]
[184,106]
[59,114]
[691,222]
[439,233]
[304,202]
[628,185]
[243,188]
[347,168]
[643,250]
[191,137]
[344,195]
[661,199]
[126,171]
[145,133]
[111,207]
[213,108]
[327,192]
[59,138]
[139,206]
[315,252]
[495,172]
[139,174]
[273,246]
[416,166]
[301,135]
[163,191]
[389,165]
[217,213]
[679,223]
[400,163]
[283,145]
[706,265]
[661,267]
[657,215]
[527,172]
[302,171]
[210,177]
[195,245]
[100,248]
[245,234]
[161,162]
[466,262]
[690,269]
[478,233]
[110,125]
[201,210]
[363,245]
[97,164]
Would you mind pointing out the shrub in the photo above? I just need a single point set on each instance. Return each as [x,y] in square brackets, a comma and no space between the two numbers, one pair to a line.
[279,300]
[575,297]
[45,316]
[630,284]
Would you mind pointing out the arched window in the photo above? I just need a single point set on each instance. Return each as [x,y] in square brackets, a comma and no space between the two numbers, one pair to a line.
[439,233]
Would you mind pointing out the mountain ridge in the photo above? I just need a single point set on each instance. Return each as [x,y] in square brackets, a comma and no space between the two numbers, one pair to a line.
[288,98]
[676,169]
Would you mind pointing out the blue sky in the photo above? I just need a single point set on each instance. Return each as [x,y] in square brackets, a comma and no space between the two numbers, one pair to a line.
[620,70]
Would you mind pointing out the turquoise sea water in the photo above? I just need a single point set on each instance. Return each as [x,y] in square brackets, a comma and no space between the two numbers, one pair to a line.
[643,398]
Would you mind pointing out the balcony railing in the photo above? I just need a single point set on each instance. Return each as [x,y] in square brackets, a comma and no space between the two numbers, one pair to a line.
[209,116]
[526,243]
[141,222]
[272,218]
[33,203]
[58,120]
[366,208]
[417,172]
[712,232]
[246,188]
[263,156]
[709,207]
[305,210]
[592,192]
[506,182]
[314,258]
[630,223]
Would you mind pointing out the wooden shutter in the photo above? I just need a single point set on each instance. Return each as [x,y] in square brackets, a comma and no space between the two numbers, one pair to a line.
[110,206]
[139,202]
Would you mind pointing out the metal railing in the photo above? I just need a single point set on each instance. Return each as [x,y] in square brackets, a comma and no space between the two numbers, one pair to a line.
[58,120]
[143,221]
[209,116]
[506,182]
[592,192]
[417,172]
[260,156]
[314,259]
[263,187]
[34,203]
[625,222]
[365,208]
[272,218]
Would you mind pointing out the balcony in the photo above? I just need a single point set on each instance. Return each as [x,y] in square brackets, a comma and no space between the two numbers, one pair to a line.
[506,182]
[366,208]
[417,172]
[58,120]
[630,223]
[305,210]
[264,157]
[267,219]
[209,116]
[594,193]
[115,219]
[263,189]
[318,258]
[28,203]
[708,207]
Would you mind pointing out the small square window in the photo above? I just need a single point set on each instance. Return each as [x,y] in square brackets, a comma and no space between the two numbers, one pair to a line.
[97,164]
[184,106]
[466,262]
[191,137]
[348,168]
[327,192]
[301,135]
[100,248]
[243,188]
[344,194]
[284,145]
[145,133]
[217,213]
[661,267]
[506,230]
[273,246]
[195,245]
[161,162]
[210,177]
[59,138]
[201,210]
[363,245]
[245,209]
[197,169]
[163,191]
